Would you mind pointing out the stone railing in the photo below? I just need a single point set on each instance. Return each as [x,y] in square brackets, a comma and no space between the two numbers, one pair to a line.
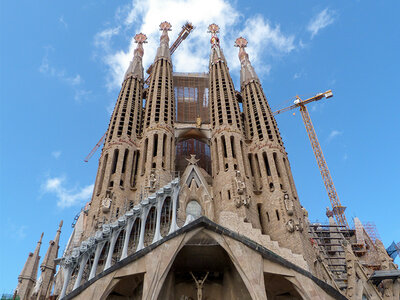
[85,259]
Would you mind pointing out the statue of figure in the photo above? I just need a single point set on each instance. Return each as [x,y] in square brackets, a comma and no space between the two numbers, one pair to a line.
[106,203]
[152,182]
[290,225]
[198,122]
[288,204]
[241,186]
[199,286]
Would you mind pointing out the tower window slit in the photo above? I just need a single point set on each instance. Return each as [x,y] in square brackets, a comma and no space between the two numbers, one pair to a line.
[146,144]
[124,161]
[164,145]
[259,209]
[267,168]
[276,164]
[135,168]
[155,145]
[277,214]
[171,161]
[216,155]
[103,169]
[164,150]
[224,146]
[244,158]
[115,160]
[251,164]
[258,165]
[233,146]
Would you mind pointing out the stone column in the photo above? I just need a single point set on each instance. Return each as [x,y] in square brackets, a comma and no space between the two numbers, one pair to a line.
[142,227]
[99,248]
[157,233]
[82,265]
[174,227]
[128,230]
[67,276]
[114,237]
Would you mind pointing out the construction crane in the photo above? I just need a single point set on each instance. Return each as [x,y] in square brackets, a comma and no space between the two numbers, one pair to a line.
[338,209]
[95,148]
[186,30]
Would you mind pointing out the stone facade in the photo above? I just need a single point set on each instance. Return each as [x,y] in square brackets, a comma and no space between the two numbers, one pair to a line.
[236,231]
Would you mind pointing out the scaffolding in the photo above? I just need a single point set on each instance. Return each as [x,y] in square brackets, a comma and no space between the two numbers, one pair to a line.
[370,229]
[191,97]
[191,100]
[330,240]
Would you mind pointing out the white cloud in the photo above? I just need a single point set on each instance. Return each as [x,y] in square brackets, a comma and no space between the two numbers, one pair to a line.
[75,81]
[62,21]
[67,197]
[56,154]
[193,54]
[333,134]
[320,21]
[103,38]
[81,94]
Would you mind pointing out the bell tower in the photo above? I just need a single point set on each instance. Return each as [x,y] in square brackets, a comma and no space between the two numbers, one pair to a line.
[117,174]
[227,139]
[158,145]
[280,213]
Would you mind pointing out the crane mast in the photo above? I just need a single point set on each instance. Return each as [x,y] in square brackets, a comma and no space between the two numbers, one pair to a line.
[338,209]
[186,30]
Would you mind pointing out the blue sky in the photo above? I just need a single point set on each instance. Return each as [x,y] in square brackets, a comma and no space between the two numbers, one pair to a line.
[61,69]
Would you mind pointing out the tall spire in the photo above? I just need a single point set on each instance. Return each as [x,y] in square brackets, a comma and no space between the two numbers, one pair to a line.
[159,116]
[227,143]
[135,68]
[247,72]
[117,172]
[48,267]
[28,275]
[163,50]
[280,211]
[216,52]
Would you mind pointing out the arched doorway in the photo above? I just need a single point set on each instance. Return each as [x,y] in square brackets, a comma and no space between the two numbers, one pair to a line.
[279,288]
[202,264]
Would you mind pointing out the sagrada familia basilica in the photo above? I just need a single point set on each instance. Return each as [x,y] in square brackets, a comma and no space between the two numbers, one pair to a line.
[194,199]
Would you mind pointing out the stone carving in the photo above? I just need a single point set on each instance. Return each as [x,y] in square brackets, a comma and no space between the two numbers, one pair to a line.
[192,160]
[198,122]
[240,188]
[152,182]
[299,226]
[199,285]
[106,203]
[288,204]
[240,185]
[290,225]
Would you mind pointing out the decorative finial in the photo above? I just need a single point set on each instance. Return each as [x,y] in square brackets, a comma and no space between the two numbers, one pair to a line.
[140,38]
[214,29]
[165,26]
[192,160]
[241,42]
[329,213]
[61,224]
[41,237]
